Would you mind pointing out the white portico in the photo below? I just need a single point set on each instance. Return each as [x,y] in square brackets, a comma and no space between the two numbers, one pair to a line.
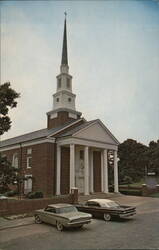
[88,146]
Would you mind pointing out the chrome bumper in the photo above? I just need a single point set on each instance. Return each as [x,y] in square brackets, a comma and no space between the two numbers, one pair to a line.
[77,223]
[127,215]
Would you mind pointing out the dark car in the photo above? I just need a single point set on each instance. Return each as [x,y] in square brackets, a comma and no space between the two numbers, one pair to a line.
[107,209]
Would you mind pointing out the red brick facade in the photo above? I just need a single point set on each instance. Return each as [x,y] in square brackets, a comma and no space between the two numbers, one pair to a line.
[65,170]
[61,119]
[43,165]
[43,168]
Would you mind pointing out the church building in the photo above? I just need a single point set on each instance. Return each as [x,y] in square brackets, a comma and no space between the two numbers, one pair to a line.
[70,152]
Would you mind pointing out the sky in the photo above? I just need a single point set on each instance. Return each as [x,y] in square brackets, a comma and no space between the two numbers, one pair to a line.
[113,54]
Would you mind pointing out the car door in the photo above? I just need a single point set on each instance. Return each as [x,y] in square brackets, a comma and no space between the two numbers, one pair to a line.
[50,216]
[92,208]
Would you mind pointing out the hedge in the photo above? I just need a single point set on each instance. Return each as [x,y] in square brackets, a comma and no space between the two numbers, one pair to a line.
[131,192]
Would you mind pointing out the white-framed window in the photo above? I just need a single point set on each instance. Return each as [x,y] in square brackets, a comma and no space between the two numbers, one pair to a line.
[15,161]
[28,184]
[29,151]
[29,162]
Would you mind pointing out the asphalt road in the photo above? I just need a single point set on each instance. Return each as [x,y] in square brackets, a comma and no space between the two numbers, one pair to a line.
[140,232]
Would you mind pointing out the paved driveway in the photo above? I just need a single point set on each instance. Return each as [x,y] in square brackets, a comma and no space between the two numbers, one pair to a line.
[142,232]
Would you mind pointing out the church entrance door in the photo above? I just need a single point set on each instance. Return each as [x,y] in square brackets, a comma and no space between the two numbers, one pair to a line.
[79,171]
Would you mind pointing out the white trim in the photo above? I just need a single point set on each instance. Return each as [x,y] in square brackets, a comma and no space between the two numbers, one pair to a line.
[102,170]
[105,171]
[71,115]
[24,144]
[53,116]
[91,171]
[89,143]
[72,166]
[116,187]
[104,127]
[86,170]
[58,170]
[28,157]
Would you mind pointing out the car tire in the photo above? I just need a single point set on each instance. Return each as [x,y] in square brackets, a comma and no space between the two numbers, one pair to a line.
[37,219]
[81,226]
[59,226]
[107,217]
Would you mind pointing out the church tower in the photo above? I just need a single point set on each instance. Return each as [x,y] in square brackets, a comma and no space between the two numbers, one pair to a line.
[64,109]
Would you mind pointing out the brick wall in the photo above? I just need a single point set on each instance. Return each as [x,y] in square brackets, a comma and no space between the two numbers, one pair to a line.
[65,170]
[11,206]
[60,120]
[43,165]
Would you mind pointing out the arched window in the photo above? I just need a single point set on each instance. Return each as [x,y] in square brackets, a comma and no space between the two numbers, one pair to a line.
[15,160]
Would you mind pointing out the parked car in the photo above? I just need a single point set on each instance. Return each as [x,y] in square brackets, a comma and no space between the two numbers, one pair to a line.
[3,197]
[107,209]
[62,215]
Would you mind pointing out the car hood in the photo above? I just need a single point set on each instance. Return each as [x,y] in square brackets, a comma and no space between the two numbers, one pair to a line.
[76,215]
[124,208]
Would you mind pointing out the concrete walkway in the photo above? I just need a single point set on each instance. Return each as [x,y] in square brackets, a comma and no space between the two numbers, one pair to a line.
[4,223]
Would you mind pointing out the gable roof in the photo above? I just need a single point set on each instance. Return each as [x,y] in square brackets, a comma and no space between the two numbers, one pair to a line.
[42,133]
[75,131]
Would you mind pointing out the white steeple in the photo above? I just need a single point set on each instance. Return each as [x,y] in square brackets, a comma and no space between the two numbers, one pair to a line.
[64,98]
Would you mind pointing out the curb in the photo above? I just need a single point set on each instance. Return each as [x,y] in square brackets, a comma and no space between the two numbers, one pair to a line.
[15,226]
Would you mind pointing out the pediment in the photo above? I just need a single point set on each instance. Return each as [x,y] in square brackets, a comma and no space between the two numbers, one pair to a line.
[97,132]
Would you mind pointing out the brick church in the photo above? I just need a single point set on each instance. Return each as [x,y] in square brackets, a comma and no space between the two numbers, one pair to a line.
[70,152]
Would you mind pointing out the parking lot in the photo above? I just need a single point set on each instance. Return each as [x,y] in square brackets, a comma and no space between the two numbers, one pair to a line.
[142,232]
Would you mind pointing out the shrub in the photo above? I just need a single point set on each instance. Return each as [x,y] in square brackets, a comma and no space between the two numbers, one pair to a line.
[34,195]
[131,192]
[11,193]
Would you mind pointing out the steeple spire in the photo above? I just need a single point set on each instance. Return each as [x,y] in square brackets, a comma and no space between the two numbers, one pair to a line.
[64,60]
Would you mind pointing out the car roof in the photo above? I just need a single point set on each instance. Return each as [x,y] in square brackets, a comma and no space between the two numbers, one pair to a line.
[59,205]
[100,200]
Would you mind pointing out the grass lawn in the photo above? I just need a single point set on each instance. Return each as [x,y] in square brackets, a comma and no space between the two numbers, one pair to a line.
[137,184]
[156,195]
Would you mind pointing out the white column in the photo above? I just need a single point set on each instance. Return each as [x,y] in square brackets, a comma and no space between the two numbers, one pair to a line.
[58,170]
[105,171]
[72,166]
[102,167]
[91,171]
[86,171]
[116,188]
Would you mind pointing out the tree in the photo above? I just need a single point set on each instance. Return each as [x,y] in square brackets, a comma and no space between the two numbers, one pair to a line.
[152,157]
[132,160]
[8,98]
[7,174]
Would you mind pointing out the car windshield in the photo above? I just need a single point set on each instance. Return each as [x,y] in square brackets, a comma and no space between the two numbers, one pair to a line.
[66,209]
[110,204]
